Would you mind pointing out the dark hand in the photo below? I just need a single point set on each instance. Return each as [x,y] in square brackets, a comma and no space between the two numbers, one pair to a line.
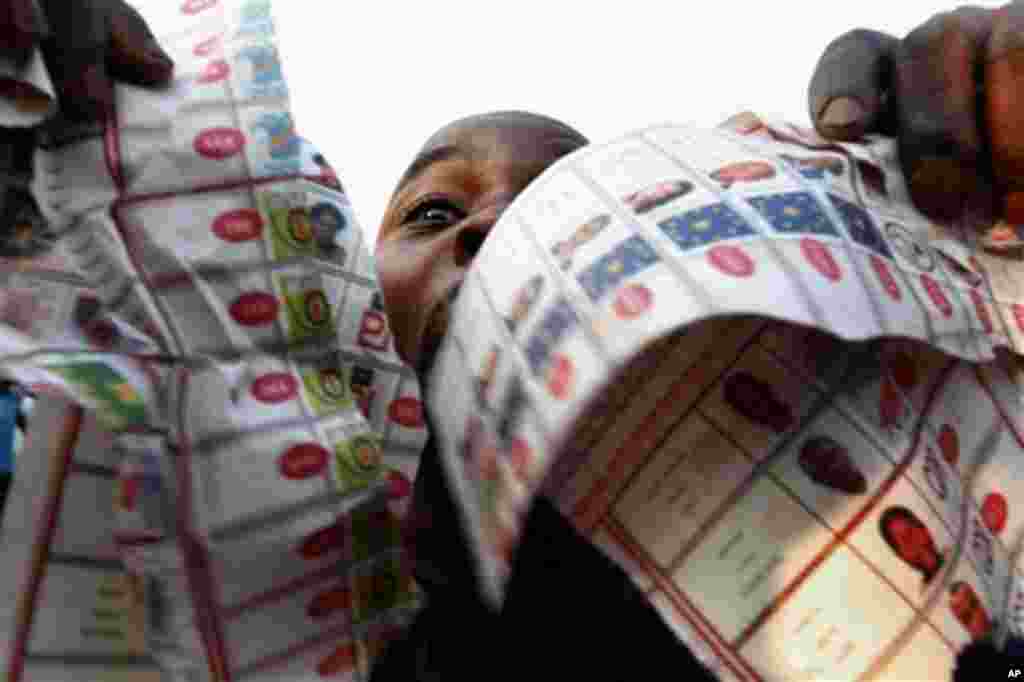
[85,44]
[949,93]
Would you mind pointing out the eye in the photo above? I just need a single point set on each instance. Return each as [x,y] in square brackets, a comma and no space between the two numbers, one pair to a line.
[435,212]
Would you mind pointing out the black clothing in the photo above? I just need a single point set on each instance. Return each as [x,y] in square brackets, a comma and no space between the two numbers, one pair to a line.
[570,613]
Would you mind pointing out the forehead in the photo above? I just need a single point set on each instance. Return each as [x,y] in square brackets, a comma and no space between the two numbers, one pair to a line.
[468,155]
[508,122]
[521,137]
[482,145]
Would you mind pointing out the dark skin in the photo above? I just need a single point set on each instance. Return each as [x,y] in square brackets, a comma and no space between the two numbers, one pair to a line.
[960,158]
[461,182]
[947,91]
[950,92]
[446,204]
[86,45]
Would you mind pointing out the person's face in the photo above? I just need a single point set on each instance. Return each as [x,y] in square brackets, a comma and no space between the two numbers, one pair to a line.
[967,608]
[438,218]
[914,543]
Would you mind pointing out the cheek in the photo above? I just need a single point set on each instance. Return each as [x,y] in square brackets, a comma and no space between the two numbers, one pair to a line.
[405,273]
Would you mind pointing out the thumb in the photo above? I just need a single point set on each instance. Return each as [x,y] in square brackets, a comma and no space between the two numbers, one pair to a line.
[74,56]
[135,56]
[847,92]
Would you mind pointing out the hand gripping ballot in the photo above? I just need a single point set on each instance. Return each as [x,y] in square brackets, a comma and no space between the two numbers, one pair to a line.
[781,399]
[211,303]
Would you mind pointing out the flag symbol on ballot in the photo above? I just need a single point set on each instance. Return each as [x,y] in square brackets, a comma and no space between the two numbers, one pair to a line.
[704,226]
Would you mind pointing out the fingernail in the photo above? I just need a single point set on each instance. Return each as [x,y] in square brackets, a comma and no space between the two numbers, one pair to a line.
[843,112]
[154,53]
[158,66]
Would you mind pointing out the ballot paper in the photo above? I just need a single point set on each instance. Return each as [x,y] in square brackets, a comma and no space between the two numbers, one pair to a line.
[225,438]
[745,367]
[738,360]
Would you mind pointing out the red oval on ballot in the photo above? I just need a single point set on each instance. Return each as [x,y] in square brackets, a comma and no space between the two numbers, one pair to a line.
[341,660]
[399,485]
[216,70]
[982,311]
[520,456]
[407,412]
[949,444]
[219,143]
[732,260]
[886,277]
[302,461]
[632,301]
[560,377]
[207,47]
[129,492]
[329,602]
[238,226]
[994,511]
[254,309]
[323,541]
[101,332]
[1018,315]
[821,259]
[197,6]
[276,387]
[937,295]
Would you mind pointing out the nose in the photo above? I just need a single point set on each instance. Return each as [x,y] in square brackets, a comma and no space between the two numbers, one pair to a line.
[475,229]
[469,241]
